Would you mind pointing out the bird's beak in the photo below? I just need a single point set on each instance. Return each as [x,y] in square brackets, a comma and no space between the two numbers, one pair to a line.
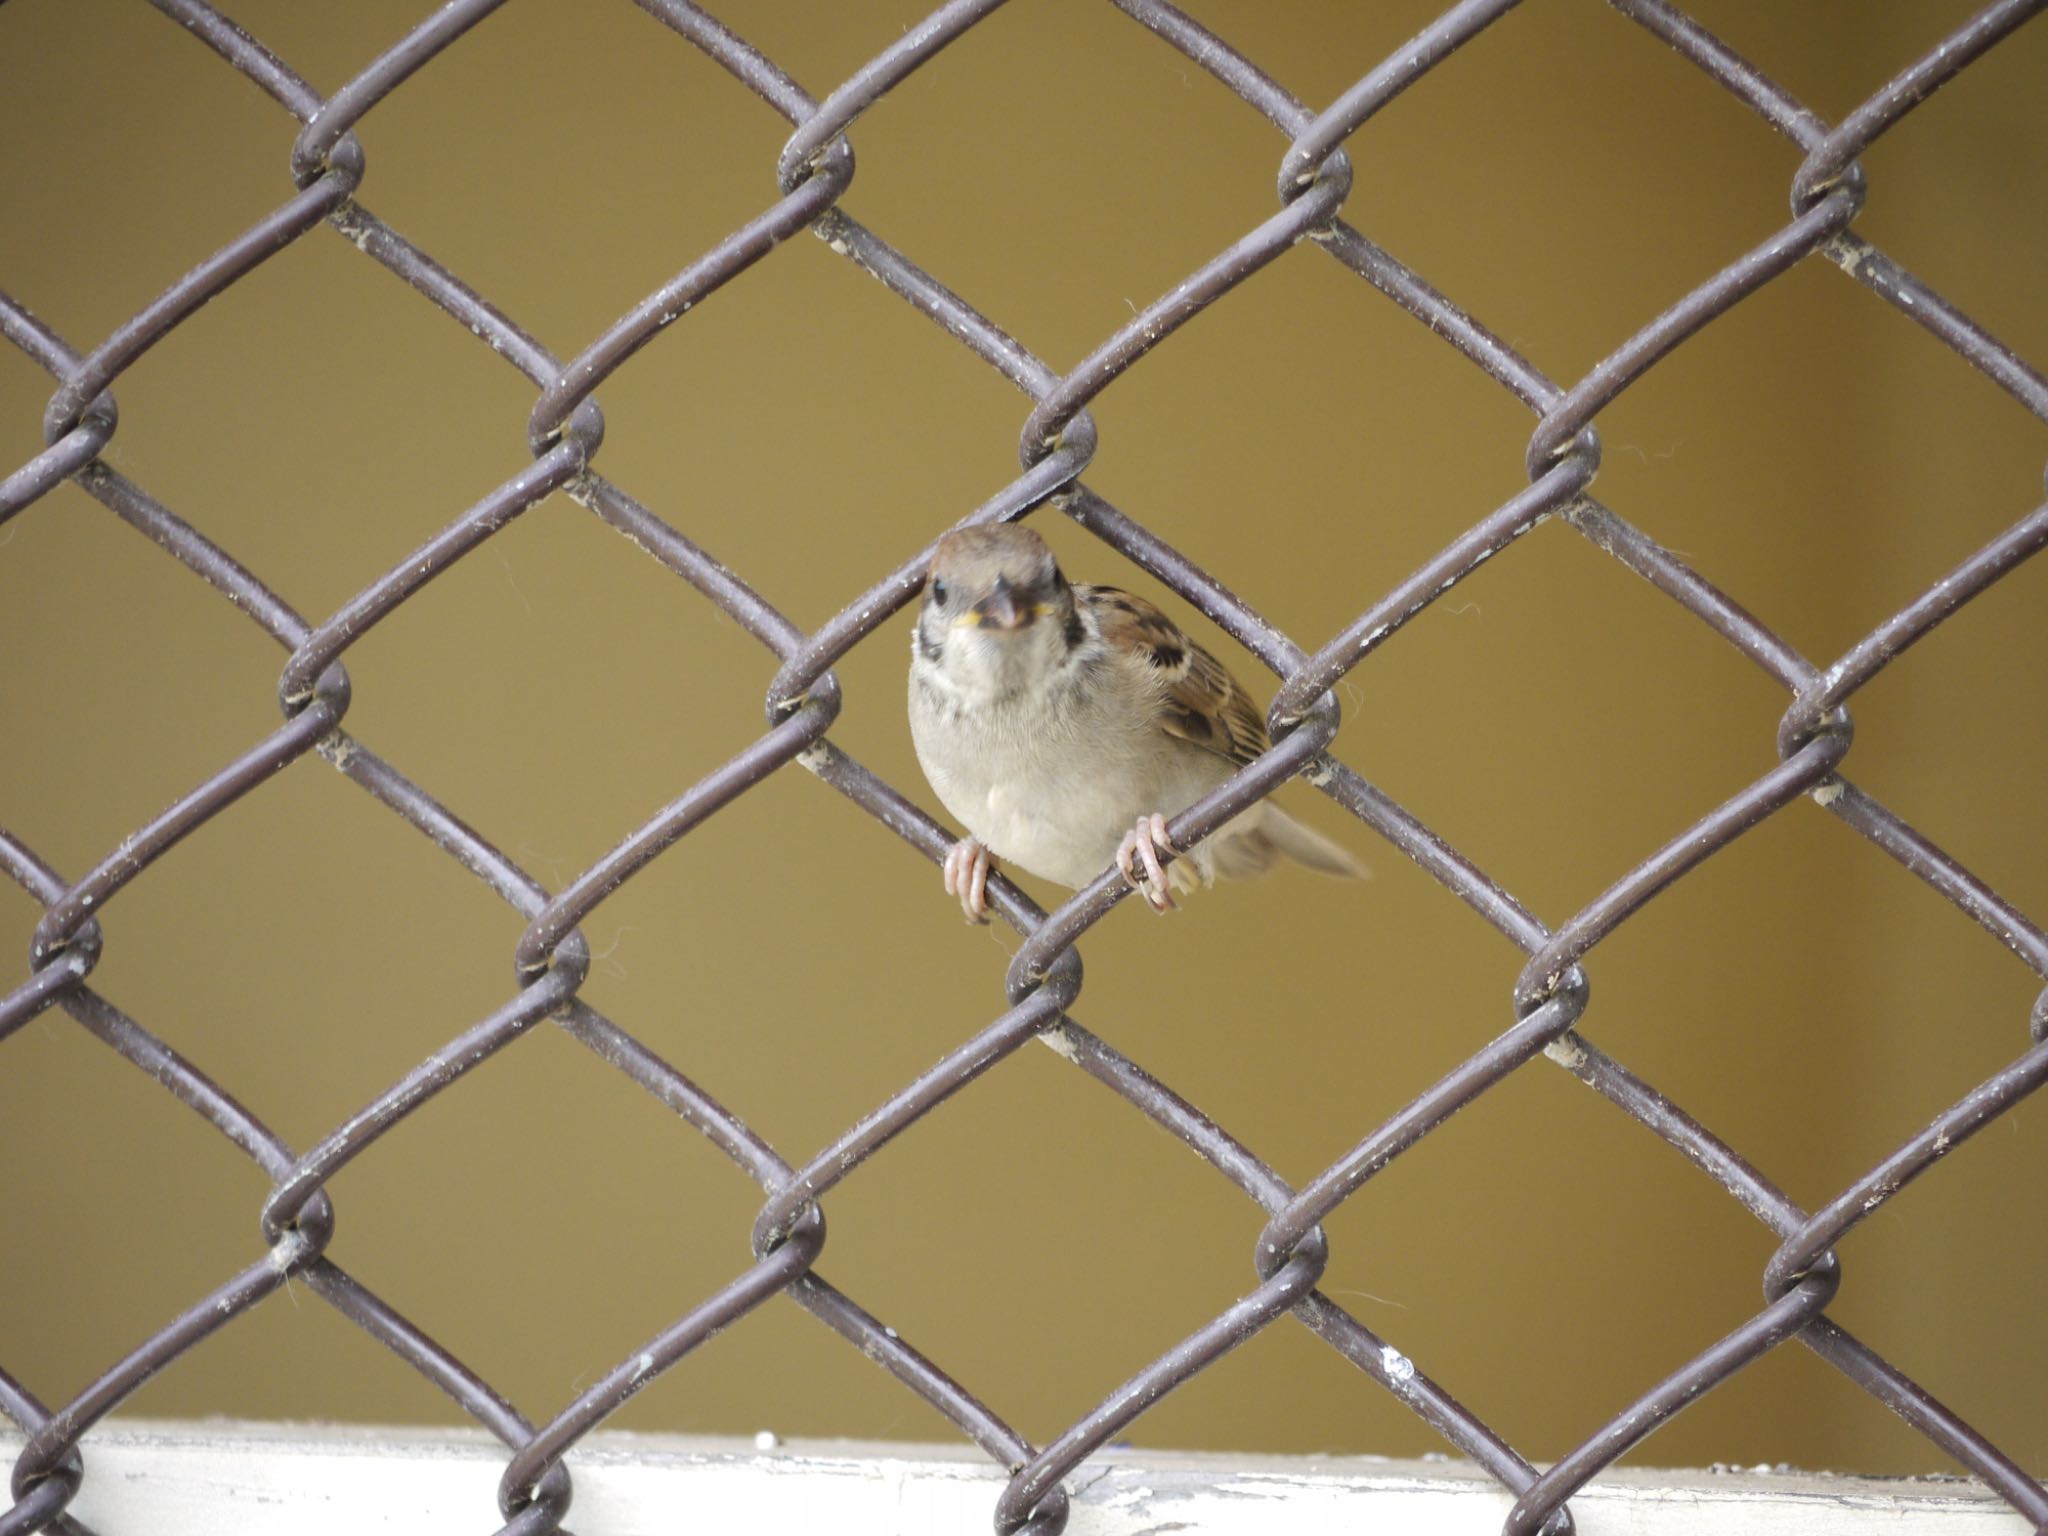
[1001,610]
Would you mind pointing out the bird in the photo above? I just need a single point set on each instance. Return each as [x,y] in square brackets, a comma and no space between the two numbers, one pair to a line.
[1064,722]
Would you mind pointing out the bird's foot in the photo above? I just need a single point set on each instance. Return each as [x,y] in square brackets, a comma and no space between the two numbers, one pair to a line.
[967,868]
[1138,857]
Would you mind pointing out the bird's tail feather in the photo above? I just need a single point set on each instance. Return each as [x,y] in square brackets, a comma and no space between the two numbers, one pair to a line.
[1310,848]
[1251,844]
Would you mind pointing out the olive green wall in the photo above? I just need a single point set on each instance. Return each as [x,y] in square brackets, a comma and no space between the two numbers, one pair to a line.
[1814,453]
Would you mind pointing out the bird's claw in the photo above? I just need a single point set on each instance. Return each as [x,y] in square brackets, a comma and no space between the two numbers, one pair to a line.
[967,867]
[1138,857]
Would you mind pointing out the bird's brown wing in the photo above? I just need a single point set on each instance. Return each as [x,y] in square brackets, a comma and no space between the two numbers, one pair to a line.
[1204,705]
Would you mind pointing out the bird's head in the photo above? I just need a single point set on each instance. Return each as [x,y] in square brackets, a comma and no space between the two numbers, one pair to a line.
[997,612]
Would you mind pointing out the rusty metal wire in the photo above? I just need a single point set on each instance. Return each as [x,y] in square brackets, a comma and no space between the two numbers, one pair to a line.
[566,431]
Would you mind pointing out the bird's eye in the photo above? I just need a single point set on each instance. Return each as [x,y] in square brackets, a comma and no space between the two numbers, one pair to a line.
[938,592]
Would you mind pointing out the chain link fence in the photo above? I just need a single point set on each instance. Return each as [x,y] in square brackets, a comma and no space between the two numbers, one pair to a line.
[566,431]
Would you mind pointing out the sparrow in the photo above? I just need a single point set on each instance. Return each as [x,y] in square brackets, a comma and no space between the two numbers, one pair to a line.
[1062,723]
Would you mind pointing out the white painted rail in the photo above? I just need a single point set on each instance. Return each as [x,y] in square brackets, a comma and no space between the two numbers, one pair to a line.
[222,1479]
